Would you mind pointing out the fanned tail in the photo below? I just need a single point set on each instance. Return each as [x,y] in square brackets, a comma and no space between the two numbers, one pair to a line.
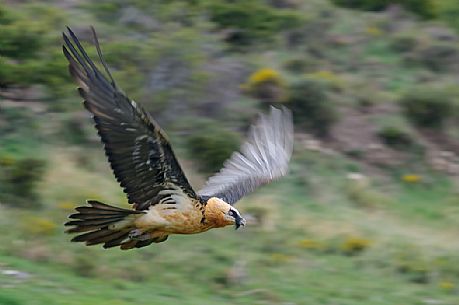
[101,223]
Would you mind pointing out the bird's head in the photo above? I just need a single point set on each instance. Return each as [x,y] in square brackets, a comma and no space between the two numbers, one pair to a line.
[221,214]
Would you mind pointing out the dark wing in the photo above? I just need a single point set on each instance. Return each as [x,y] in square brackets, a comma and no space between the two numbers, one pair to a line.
[138,150]
[263,158]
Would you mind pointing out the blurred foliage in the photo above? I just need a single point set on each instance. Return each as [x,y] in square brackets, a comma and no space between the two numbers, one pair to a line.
[311,106]
[405,42]
[299,65]
[448,10]
[212,145]
[428,107]
[395,137]
[267,85]
[38,226]
[423,8]
[19,180]
[413,265]
[439,56]
[27,51]
[250,21]
[353,245]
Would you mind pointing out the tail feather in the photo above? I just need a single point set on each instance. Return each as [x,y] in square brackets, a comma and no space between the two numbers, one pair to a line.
[109,238]
[116,241]
[92,216]
[92,235]
[102,223]
[90,210]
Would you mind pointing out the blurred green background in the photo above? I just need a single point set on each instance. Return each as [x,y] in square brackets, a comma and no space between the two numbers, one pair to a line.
[369,213]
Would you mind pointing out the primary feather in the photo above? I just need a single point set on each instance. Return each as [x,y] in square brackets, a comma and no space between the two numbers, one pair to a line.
[138,151]
[262,158]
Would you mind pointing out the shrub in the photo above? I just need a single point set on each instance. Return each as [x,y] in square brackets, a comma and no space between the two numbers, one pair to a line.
[413,265]
[211,146]
[73,130]
[267,85]
[448,10]
[285,3]
[354,245]
[38,226]
[299,65]
[438,57]
[328,77]
[311,107]
[27,54]
[18,181]
[423,8]
[427,107]
[250,21]
[19,37]
[395,137]
[404,42]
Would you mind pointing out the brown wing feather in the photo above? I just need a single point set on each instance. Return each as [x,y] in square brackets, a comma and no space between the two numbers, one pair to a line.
[137,149]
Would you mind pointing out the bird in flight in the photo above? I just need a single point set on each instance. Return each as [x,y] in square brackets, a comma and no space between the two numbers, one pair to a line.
[142,160]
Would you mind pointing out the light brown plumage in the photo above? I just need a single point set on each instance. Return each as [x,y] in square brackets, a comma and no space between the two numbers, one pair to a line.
[144,164]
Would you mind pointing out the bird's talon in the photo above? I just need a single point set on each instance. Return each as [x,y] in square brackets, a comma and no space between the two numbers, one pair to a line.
[138,235]
[135,234]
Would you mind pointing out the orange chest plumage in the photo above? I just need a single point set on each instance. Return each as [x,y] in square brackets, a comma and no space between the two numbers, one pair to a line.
[188,221]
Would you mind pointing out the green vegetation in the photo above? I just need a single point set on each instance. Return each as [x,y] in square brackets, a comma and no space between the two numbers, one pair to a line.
[428,107]
[395,137]
[311,106]
[267,85]
[250,21]
[211,145]
[424,8]
[19,179]
[369,213]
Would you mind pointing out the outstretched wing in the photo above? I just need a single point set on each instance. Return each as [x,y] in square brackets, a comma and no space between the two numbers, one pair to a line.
[138,151]
[262,158]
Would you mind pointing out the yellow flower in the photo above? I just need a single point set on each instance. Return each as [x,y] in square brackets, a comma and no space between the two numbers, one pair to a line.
[310,244]
[374,31]
[66,206]
[263,76]
[446,285]
[280,257]
[411,178]
[39,226]
[6,160]
[266,84]
[354,245]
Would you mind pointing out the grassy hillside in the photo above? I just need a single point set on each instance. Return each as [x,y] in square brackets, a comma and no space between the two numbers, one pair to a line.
[369,213]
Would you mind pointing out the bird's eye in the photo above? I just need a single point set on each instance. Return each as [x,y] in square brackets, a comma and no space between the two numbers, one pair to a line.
[231,213]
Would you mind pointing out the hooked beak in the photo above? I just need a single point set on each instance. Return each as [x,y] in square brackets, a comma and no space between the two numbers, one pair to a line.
[239,222]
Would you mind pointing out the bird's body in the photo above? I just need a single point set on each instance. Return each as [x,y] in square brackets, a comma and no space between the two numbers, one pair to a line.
[189,217]
[142,159]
